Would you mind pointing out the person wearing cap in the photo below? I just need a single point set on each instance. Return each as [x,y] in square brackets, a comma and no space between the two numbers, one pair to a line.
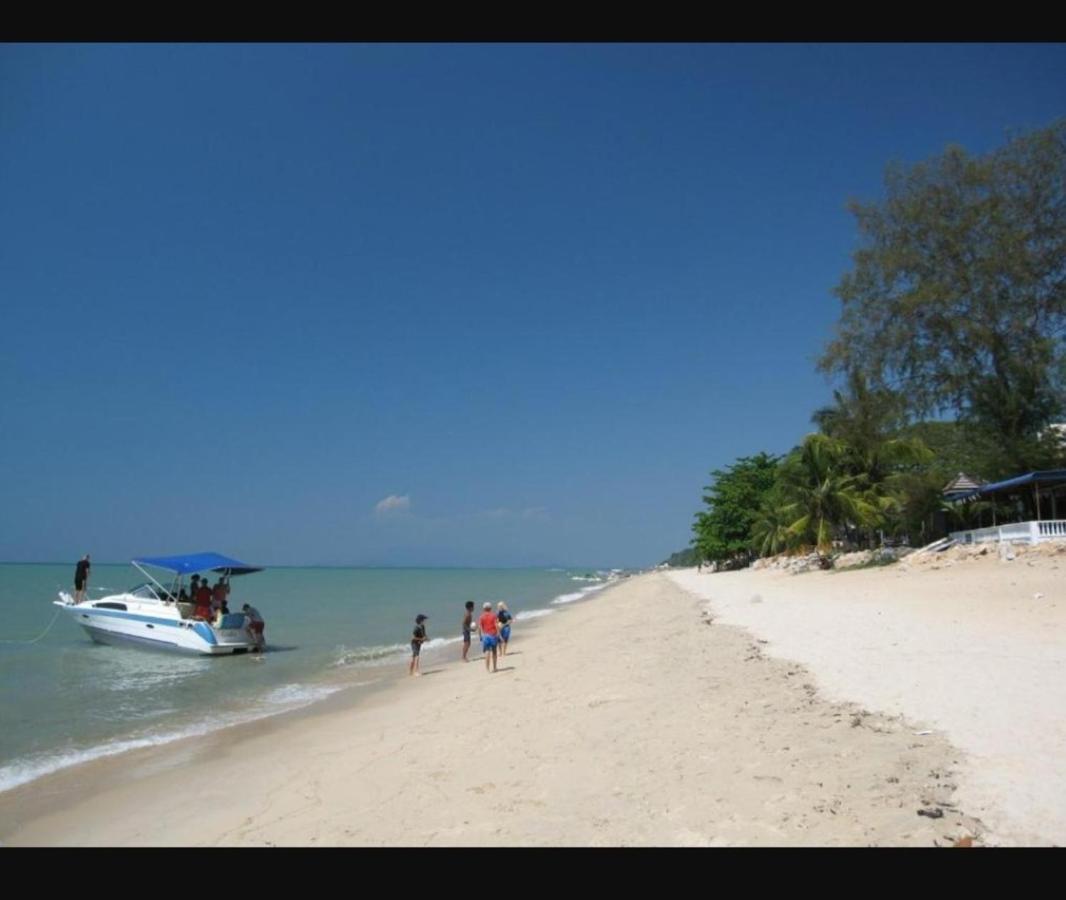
[418,638]
[468,626]
[488,631]
[504,617]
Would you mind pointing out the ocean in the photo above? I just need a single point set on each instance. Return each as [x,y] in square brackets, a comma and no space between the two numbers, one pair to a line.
[65,699]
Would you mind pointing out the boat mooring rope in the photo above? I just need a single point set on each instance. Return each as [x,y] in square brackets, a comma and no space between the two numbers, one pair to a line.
[41,635]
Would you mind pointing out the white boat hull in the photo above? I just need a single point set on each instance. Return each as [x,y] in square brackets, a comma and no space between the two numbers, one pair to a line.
[153,625]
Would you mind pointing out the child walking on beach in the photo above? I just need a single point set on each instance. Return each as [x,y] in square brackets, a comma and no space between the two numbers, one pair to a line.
[468,625]
[486,628]
[418,638]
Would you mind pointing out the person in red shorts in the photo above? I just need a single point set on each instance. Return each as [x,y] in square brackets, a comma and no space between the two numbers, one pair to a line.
[488,631]
[255,626]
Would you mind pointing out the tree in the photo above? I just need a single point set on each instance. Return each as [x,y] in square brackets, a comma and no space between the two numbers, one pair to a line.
[683,558]
[957,298]
[823,498]
[723,531]
[770,532]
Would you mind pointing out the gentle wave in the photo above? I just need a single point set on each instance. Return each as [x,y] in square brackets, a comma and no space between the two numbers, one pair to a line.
[533,614]
[370,656]
[584,592]
[282,699]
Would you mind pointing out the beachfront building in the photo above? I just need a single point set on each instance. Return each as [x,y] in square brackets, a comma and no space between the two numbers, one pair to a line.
[1036,501]
[962,485]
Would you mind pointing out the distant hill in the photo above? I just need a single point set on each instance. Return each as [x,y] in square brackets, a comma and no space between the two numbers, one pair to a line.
[683,558]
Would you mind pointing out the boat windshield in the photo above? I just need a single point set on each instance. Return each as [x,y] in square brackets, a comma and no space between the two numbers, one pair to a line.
[146,591]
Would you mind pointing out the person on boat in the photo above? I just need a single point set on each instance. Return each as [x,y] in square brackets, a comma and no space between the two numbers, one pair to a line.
[488,630]
[418,638]
[203,601]
[219,593]
[504,617]
[468,626]
[255,625]
[194,588]
[81,578]
[221,614]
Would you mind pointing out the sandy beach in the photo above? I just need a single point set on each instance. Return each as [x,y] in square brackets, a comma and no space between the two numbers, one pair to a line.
[640,717]
[972,648]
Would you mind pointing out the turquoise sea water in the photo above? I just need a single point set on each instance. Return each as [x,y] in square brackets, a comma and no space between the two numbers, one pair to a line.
[65,699]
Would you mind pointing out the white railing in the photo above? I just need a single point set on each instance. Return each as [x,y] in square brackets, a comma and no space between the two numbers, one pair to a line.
[1053,528]
[1016,533]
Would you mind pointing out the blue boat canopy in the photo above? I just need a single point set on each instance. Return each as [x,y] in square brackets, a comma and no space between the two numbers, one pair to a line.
[199,562]
[1047,477]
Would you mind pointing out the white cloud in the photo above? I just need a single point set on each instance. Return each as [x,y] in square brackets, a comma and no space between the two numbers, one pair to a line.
[392,503]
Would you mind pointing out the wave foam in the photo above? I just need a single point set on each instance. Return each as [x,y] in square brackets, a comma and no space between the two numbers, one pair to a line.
[281,699]
[533,614]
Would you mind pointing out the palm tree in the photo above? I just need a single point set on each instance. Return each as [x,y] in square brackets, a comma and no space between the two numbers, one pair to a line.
[770,531]
[826,497]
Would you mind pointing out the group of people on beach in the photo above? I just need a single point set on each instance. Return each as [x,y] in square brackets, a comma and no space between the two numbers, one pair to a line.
[493,628]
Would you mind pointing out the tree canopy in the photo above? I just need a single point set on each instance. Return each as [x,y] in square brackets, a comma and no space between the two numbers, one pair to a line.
[723,531]
[957,298]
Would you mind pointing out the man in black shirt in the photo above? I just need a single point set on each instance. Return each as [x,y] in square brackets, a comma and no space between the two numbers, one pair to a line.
[81,578]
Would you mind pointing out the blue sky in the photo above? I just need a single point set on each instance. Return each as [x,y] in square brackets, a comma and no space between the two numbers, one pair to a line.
[533,294]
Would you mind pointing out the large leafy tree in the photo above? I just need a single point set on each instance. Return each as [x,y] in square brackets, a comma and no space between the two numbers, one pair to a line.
[723,531]
[867,424]
[957,298]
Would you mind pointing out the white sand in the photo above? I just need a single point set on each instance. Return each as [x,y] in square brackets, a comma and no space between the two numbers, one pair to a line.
[629,719]
[965,648]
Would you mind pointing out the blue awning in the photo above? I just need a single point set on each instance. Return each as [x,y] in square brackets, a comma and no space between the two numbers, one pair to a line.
[1049,476]
[199,562]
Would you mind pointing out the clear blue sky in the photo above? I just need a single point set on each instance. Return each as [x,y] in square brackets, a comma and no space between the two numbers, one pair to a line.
[533,294]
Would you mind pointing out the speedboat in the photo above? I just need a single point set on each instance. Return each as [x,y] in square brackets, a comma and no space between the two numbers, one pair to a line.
[152,615]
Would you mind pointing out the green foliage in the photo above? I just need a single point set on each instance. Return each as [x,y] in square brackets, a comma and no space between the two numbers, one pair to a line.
[770,532]
[723,531]
[822,496]
[955,306]
[684,558]
[957,299]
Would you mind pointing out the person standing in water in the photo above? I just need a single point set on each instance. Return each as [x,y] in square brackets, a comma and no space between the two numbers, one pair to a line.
[488,631]
[254,623]
[418,638]
[81,578]
[504,617]
[468,626]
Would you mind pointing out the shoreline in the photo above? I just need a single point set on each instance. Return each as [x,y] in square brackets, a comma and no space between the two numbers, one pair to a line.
[354,671]
[628,721]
